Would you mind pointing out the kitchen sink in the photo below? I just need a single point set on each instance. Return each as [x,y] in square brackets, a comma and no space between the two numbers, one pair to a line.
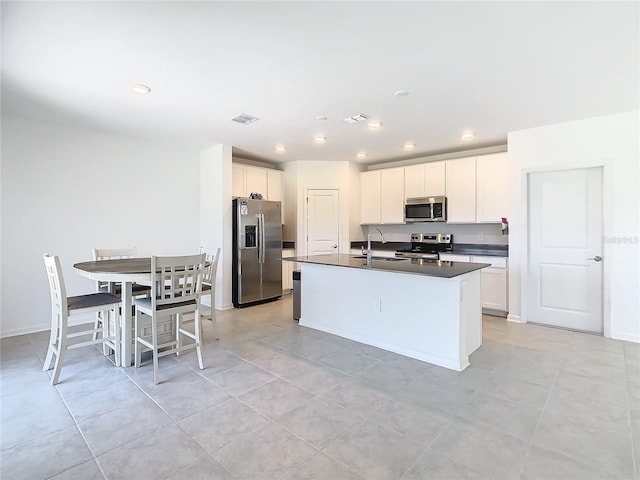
[385,259]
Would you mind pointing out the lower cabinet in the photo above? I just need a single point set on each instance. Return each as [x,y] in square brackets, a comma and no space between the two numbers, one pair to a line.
[287,271]
[494,282]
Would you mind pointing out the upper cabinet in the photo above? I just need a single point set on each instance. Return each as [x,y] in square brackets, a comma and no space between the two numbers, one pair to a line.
[461,190]
[435,179]
[370,197]
[477,189]
[492,195]
[382,196]
[256,181]
[239,179]
[425,180]
[392,195]
[247,180]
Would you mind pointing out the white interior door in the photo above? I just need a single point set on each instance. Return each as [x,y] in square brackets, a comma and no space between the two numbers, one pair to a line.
[322,222]
[565,249]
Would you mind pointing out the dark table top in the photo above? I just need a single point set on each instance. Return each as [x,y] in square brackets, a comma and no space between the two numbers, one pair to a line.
[414,266]
[123,265]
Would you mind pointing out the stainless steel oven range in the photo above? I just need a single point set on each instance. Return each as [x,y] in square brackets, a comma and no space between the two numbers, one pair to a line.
[427,245]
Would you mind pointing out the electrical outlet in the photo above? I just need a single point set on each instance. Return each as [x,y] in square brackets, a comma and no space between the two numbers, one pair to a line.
[377,305]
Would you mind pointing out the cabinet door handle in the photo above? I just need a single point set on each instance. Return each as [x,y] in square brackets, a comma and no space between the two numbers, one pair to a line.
[597,258]
[335,246]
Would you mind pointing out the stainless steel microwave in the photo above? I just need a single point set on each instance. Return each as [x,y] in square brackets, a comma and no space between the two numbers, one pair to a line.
[425,209]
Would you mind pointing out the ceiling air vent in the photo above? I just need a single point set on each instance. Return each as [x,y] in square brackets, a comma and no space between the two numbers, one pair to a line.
[245,119]
[356,118]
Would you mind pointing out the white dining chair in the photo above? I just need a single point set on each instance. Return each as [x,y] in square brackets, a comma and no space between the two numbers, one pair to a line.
[117,254]
[63,307]
[208,312]
[176,290]
[136,288]
[209,289]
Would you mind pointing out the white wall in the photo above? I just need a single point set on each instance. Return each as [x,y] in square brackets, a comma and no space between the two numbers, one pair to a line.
[355,232]
[216,215]
[611,141]
[289,185]
[65,191]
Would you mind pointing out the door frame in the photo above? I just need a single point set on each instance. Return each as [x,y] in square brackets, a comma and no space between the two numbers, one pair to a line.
[305,227]
[607,209]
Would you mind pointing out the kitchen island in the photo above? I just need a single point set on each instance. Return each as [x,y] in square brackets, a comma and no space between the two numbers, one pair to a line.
[425,309]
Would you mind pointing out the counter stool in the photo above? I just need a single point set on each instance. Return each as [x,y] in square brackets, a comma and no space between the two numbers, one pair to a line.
[63,307]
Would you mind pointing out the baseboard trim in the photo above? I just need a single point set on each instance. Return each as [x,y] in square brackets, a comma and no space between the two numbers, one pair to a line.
[25,331]
[514,318]
[494,313]
[626,337]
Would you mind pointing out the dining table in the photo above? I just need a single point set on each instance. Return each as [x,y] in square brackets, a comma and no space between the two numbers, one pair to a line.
[125,271]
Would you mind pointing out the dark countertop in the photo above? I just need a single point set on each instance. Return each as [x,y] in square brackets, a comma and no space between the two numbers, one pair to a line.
[458,248]
[390,246]
[413,266]
[481,249]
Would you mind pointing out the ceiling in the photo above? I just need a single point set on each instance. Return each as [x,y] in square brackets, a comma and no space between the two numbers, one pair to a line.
[488,67]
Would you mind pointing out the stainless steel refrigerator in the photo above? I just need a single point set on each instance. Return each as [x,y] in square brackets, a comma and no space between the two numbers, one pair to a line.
[257,251]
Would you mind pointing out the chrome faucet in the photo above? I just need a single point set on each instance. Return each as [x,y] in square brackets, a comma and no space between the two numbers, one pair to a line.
[369,241]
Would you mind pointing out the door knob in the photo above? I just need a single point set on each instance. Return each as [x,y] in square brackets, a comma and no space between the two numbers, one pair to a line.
[597,258]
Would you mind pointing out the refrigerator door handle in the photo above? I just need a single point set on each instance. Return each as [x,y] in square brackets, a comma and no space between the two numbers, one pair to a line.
[261,246]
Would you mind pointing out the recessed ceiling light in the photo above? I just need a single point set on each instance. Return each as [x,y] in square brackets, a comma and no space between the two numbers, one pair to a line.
[409,146]
[375,124]
[280,148]
[319,139]
[362,154]
[140,89]
[468,135]
[321,118]
[401,93]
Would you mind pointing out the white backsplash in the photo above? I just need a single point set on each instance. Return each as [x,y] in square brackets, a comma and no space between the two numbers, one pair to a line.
[486,233]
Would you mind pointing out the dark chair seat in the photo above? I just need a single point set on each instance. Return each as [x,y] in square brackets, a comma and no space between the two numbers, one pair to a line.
[91,300]
[146,303]
[136,289]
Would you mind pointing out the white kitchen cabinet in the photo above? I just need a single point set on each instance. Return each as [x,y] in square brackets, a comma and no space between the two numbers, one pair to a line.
[238,180]
[256,181]
[414,181]
[425,180]
[461,190]
[247,179]
[435,179]
[494,283]
[492,196]
[454,257]
[493,279]
[382,196]
[370,197]
[392,195]
[374,253]
[287,270]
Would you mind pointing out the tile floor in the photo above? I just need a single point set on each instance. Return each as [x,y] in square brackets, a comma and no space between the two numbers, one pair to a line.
[279,401]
